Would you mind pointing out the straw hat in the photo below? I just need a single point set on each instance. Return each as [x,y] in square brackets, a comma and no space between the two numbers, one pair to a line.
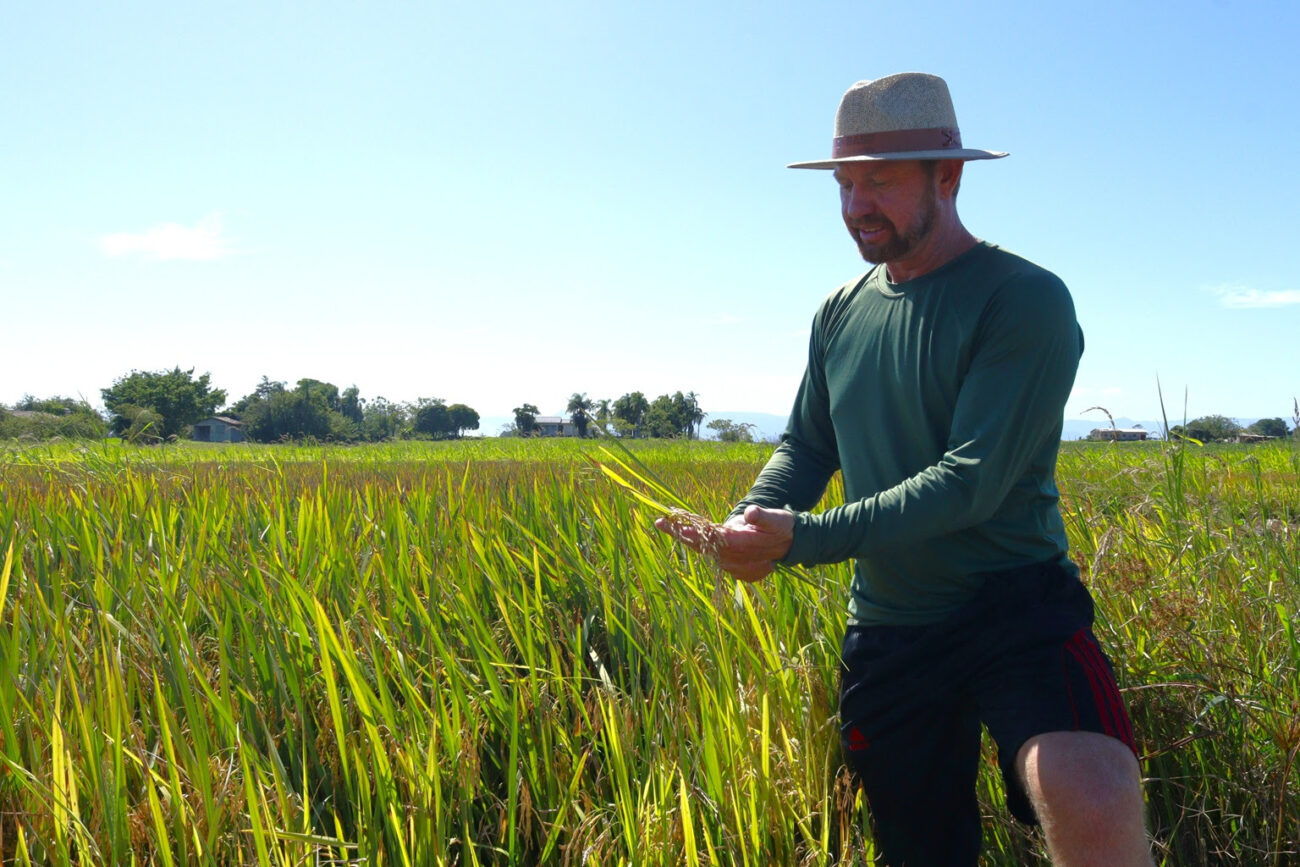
[908,116]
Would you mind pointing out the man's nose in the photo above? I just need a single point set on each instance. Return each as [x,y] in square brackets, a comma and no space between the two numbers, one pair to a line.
[858,203]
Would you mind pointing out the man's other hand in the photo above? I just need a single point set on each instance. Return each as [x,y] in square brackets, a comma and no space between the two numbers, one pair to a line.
[747,546]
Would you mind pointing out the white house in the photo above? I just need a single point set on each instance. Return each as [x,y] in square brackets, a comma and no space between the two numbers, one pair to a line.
[1121,434]
[554,426]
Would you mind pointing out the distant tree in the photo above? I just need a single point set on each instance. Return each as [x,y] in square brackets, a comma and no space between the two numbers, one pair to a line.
[463,418]
[57,405]
[343,429]
[629,413]
[683,414]
[313,409]
[579,410]
[291,415]
[49,417]
[696,414]
[175,395]
[263,391]
[669,416]
[431,417]
[604,413]
[1269,427]
[352,405]
[327,392]
[658,421]
[383,420]
[662,419]
[1208,429]
[732,432]
[525,419]
[1214,428]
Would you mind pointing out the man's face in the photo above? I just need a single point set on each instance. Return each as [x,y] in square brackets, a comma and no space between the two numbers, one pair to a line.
[889,207]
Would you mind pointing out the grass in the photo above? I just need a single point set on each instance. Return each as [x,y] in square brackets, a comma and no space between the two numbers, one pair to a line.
[480,653]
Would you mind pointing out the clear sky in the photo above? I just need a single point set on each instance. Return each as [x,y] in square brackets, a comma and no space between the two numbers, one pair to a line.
[498,203]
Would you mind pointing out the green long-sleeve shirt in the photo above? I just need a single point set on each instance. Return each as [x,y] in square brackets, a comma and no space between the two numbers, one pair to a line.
[940,400]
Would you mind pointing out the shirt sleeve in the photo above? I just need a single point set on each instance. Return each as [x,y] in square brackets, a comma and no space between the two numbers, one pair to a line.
[1007,414]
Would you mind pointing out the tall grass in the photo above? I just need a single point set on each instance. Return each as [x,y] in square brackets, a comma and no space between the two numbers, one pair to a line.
[480,653]
[1193,552]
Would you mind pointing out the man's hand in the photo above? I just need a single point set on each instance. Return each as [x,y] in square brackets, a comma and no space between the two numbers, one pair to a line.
[747,546]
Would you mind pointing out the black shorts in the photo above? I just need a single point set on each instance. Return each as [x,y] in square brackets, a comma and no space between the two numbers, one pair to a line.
[1019,658]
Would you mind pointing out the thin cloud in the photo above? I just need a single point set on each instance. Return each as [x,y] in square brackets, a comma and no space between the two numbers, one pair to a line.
[171,241]
[1242,296]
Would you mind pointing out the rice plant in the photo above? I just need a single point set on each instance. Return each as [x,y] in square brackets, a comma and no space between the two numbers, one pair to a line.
[480,652]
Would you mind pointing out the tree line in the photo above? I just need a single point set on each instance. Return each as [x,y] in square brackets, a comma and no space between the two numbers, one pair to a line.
[314,409]
[50,417]
[155,406]
[630,416]
[1218,429]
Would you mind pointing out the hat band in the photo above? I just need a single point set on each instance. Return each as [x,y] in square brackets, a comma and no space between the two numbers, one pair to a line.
[896,141]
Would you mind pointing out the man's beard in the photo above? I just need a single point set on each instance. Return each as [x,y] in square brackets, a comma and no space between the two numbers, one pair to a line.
[898,245]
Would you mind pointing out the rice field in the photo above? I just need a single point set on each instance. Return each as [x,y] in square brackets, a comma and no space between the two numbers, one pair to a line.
[480,652]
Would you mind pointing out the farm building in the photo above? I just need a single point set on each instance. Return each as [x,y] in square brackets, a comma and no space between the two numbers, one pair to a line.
[555,426]
[1122,434]
[218,429]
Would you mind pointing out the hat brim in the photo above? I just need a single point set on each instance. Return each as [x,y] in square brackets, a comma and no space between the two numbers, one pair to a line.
[949,154]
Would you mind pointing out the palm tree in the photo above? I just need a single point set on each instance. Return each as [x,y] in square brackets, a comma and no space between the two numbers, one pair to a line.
[525,419]
[579,410]
[697,414]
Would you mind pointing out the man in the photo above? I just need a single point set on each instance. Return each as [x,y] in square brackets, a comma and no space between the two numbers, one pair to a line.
[936,384]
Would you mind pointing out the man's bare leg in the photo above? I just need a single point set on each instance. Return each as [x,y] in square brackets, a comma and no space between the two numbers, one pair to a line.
[1087,791]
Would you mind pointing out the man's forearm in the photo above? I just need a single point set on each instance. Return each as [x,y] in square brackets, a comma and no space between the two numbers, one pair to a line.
[794,477]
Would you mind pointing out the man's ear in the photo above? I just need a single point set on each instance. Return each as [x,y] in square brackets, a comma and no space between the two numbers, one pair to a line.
[948,177]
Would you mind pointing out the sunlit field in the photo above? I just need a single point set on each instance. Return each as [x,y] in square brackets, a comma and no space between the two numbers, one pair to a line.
[479,652]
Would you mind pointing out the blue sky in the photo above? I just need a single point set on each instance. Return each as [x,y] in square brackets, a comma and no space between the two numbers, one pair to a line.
[495,203]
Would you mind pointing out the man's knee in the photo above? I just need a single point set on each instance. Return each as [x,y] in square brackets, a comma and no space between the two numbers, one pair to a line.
[1079,771]
[1086,789]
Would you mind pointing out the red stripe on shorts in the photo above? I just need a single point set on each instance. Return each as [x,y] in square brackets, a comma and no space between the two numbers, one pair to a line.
[1102,668]
[1110,707]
